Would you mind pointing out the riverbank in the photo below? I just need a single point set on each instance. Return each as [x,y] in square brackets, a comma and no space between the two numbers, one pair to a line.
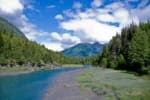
[72,65]
[15,87]
[14,73]
[23,70]
[114,84]
[14,70]
[65,87]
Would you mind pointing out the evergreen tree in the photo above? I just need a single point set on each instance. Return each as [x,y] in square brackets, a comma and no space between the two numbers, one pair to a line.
[130,50]
[138,50]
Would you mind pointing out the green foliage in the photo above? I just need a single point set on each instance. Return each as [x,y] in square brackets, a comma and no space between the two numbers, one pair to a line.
[104,62]
[130,50]
[6,27]
[138,49]
[113,64]
[120,60]
[114,85]
[15,49]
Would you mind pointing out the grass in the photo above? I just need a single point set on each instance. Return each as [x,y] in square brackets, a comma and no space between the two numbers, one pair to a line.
[14,69]
[24,68]
[115,85]
[71,65]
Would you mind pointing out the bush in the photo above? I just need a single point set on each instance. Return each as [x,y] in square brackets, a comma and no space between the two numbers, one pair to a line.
[103,62]
[113,64]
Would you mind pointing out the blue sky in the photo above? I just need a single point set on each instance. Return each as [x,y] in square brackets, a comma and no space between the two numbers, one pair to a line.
[59,24]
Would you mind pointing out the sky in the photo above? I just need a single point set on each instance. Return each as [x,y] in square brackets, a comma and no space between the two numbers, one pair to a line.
[60,24]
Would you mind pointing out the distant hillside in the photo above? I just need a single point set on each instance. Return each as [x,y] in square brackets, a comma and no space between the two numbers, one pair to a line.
[16,49]
[84,50]
[7,27]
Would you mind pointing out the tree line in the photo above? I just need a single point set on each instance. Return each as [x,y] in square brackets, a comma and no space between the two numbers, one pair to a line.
[16,49]
[129,50]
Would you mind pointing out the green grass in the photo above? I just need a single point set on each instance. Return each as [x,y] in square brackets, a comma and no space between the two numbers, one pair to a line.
[115,85]
[71,65]
[14,69]
[22,68]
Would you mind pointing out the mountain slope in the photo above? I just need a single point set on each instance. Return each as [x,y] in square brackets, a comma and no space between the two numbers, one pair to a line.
[84,50]
[16,49]
[7,27]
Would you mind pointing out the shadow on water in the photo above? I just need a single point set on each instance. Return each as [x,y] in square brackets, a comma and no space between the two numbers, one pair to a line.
[29,86]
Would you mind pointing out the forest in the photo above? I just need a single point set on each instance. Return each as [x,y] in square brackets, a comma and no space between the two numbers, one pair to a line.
[129,50]
[16,49]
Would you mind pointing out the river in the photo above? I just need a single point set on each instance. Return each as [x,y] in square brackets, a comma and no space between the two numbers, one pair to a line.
[29,86]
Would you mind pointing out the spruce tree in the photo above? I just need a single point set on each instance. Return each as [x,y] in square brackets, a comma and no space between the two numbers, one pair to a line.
[138,50]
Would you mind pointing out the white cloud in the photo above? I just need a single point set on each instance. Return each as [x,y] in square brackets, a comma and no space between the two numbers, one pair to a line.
[31,7]
[93,23]
[96,3]
[31,32]
[83,15]
[68,13]
[51,6]
[69,39]
[143,3]
[13,12]
[114,6]
[106,18]
[87,25]
[90,29]
[10,7]
[53,46]
[59,17]
[142,13]
[122,16]
[77,5]
[58,41]
[90,26]
[65,39]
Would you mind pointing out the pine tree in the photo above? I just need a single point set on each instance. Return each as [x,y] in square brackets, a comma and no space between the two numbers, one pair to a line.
[138,50]
[1,43]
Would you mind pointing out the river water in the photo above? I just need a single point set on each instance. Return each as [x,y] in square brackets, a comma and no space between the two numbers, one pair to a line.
[31,86]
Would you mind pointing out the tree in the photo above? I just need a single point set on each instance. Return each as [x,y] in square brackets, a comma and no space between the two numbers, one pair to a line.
[138,50]
[104,62]
[130,50]
[1,43]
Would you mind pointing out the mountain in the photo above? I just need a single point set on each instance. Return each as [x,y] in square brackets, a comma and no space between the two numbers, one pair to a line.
[84,50]
[7,27]
[17,50]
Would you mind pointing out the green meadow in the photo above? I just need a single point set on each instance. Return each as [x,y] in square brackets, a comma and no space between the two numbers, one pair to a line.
[115,85]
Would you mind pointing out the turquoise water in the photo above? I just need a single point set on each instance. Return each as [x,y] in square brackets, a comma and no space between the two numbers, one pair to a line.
[29,86]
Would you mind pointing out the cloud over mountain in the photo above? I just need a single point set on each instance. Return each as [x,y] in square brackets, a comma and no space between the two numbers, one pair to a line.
[60,24]
[13,12]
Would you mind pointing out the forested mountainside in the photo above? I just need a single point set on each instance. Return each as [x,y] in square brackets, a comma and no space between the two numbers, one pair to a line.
[130,50]
[84,50]
[6,27]
[16,49]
